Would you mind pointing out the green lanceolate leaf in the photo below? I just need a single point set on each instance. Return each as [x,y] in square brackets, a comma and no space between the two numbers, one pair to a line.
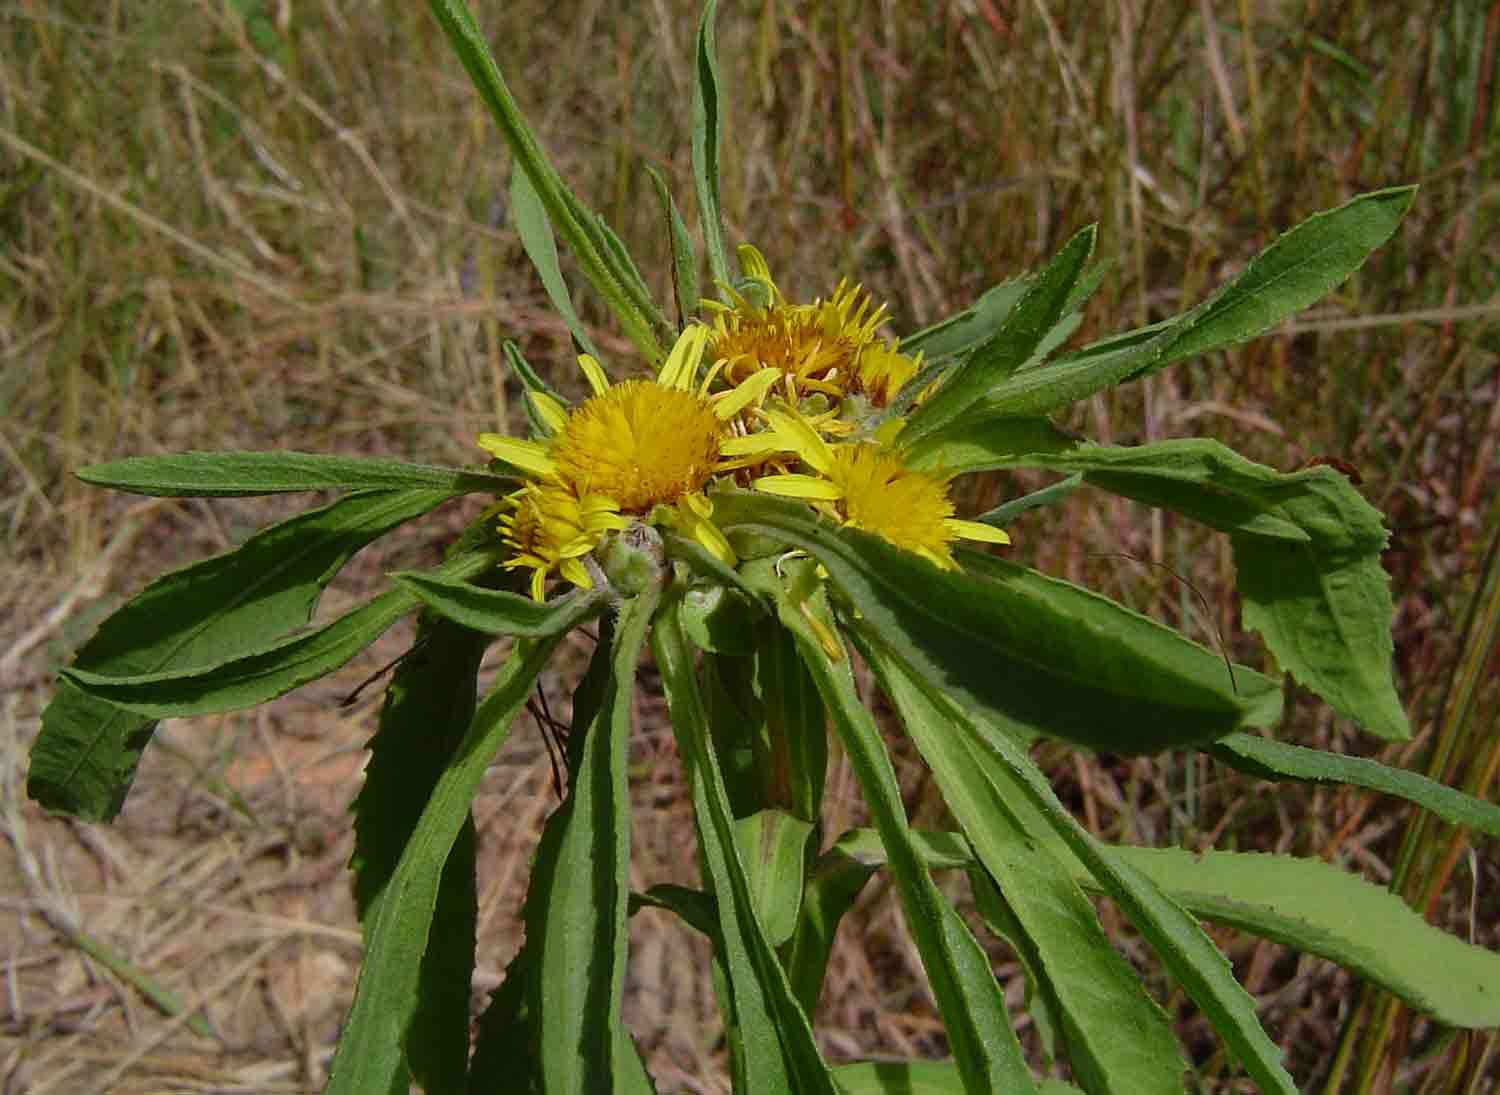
[967,994]
[833,884]
[772,845]
[505,1043]
[369,1057]
[919,1078]
[793,754]
[580,228]
[497,611]
[1277,761]
[1189,955]
[1306,544]
[1298,269]
[977,443]
[428,707]
[576,906]
[269,671]
[1316,907]
[1295,271]
[1118,1038]
[778,1053]
[968,328]
[1050,655]
[203,614]
[706,126]
[684,259]
[1011,345]
[242,474]
[535,230]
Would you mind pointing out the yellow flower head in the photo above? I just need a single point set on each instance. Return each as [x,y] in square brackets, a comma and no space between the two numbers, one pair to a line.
[864,484]
[551,528]
[628,448]
[828,346]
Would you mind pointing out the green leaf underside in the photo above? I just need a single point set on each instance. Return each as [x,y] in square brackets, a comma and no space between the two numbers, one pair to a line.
[1306,546]
[967,994]
[706,126]
[369,1054]
[505,1043]
[1012,343]
[495,611]
[577,901]
[777,1052]
[1294,272]
[428,707]
[535,230]
[1316,907]
[244,474]
[274,669]
[207,612]
[919,1078]
[1118,1038]
[1189,955]
[1276,761]
[1051,655]
[597,251]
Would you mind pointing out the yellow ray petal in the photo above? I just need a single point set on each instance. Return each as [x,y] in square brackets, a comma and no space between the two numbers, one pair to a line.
[975,530]
[574,571]
[802,439]
[594,373]
[526,455]
[754,444]
[549,410]
[751,390]
[799,486]
[682,363]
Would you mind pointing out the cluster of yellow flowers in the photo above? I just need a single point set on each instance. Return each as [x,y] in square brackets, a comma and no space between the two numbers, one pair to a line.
[788,386]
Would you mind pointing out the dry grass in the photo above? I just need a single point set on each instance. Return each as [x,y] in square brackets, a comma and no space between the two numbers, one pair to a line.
[280,223]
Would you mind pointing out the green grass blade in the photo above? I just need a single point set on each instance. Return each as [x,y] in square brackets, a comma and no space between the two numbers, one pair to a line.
[232,604]
[1098,995]
[241,474]
[576,906]
[369,1054]
[428,707]
[707,121]
[779,1054]
[968,996]
[1277,761]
